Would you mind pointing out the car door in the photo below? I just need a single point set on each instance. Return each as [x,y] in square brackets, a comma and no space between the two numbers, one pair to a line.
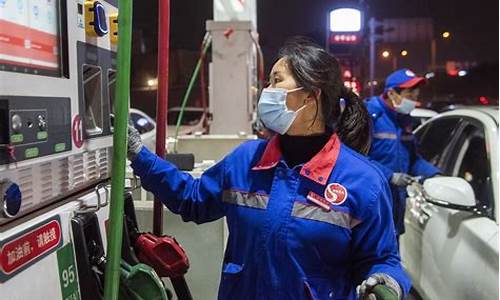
[459,260]
[462,262]
[434,138]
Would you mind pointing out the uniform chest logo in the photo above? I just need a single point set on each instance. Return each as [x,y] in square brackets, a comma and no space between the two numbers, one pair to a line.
[335,193]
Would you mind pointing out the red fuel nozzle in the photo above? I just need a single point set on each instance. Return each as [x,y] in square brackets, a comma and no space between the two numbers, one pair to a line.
[163,253]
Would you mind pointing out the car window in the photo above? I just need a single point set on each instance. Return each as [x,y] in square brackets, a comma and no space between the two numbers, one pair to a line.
[472,164]
[141,123]
[435,138]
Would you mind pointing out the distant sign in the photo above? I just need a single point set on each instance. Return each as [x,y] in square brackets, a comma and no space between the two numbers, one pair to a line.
[345,20]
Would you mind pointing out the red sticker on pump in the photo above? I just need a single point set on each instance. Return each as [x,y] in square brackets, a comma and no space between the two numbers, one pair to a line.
[77,131]
[32,244]
[335,193]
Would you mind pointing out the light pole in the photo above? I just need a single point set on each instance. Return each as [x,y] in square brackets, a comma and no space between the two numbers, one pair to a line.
[445,35]
[372,23]
[377,30]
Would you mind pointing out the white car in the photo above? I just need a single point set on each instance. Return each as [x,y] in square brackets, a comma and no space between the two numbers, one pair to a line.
[144,124]
[420,115]
[146,127]
[450,248]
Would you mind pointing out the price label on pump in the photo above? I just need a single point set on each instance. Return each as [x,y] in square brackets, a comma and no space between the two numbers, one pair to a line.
[68,276]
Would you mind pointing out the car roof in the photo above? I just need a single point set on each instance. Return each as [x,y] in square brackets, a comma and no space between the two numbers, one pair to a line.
[423,113]
[490,111]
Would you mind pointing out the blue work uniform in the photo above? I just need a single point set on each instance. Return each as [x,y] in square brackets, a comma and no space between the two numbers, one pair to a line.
[394,150]
[282,245]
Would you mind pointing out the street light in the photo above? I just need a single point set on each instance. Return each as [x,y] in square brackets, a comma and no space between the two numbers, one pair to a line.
[404,53]
[152,82]
[386,54]
[446,34]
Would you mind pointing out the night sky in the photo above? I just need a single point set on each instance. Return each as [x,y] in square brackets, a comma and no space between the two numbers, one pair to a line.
[474,29]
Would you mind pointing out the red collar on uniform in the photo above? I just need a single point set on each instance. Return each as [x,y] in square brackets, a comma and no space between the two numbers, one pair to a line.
[317,169]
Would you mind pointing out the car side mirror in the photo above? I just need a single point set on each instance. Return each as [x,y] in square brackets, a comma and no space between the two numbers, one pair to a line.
[142,125]
[450,192]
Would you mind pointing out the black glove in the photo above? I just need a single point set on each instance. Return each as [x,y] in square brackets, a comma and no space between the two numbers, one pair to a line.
[134,144]
[379,286]
[401,179]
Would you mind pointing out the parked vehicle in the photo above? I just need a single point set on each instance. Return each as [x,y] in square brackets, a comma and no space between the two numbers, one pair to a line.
[146,127]
[420,115]
[450,248]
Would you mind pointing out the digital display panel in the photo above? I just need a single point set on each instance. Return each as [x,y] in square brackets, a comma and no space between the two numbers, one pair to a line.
[29,37]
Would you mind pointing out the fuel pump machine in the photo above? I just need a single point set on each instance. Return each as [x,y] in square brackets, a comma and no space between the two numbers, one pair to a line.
[57,85]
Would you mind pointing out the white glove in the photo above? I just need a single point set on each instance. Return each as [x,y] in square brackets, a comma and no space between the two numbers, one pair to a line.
[134,144]
[401,179]
[364,290]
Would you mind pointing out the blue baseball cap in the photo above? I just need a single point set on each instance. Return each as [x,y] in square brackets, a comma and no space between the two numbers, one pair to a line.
[403,79]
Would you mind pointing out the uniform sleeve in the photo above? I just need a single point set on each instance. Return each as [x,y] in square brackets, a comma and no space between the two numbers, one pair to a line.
[385,170]
[375,249]
[195,199]
[421,167]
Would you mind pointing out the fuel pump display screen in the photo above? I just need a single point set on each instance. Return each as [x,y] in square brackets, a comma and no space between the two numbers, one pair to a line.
[29,37]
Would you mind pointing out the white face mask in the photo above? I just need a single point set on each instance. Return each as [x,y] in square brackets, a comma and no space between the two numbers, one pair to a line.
[273,111]
[406,106]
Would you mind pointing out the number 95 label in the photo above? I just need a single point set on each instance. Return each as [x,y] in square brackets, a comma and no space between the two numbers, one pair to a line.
[67,273]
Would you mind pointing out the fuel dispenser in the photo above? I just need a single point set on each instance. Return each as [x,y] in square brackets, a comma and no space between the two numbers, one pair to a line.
[58,72]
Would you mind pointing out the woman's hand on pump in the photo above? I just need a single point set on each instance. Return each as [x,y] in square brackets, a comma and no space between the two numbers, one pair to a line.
[134,144]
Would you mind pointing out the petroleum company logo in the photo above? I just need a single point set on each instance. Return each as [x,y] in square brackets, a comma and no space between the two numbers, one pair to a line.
[335,193]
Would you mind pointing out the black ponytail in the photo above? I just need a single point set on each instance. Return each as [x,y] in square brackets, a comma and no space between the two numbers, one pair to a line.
[313,68]
[354,126]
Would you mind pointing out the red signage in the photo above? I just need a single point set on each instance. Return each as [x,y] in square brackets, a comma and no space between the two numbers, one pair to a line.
[77,131]
[29,246]
[345,38]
